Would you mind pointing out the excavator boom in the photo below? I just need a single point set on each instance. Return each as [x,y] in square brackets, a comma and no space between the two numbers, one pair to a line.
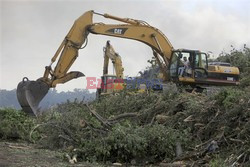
[30,93]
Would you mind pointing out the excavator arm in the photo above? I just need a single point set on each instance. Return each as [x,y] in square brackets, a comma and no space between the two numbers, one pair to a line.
[109,53]
[133,29]
[30,93]
[68,52]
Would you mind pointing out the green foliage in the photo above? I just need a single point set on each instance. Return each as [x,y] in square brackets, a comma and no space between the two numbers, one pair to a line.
[161,141]
[65,125]
[15,124]
[191,119]
[125,103]
[228,97]
[217,162]
[130,139]
[245,79]
[125,143]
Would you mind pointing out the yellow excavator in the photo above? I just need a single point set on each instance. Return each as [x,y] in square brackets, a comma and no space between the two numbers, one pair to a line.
[111,83]
[30,93]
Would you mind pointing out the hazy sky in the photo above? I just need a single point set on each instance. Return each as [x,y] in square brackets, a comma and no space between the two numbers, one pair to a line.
[31,32]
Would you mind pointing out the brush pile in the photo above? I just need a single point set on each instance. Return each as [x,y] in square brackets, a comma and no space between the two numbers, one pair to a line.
[173,127]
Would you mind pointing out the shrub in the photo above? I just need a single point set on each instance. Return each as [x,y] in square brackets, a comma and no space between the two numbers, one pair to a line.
[15,124]
[228,97]
[126,143]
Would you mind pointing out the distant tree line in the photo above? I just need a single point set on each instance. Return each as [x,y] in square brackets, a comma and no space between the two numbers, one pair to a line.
[8,97]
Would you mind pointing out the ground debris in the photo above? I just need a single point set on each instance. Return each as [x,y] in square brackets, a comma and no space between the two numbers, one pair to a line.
[169,128]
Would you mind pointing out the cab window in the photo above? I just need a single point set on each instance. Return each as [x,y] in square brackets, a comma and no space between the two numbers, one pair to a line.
[201,60]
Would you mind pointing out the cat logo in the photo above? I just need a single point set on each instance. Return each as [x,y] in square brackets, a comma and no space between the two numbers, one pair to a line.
[119,31]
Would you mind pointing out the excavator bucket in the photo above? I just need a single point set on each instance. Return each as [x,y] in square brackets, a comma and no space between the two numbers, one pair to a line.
[30,94]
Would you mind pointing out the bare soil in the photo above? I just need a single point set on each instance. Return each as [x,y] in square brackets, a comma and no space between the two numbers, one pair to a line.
[27,155]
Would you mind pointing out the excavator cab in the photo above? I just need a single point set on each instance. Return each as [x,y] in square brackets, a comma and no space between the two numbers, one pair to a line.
[191,67]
